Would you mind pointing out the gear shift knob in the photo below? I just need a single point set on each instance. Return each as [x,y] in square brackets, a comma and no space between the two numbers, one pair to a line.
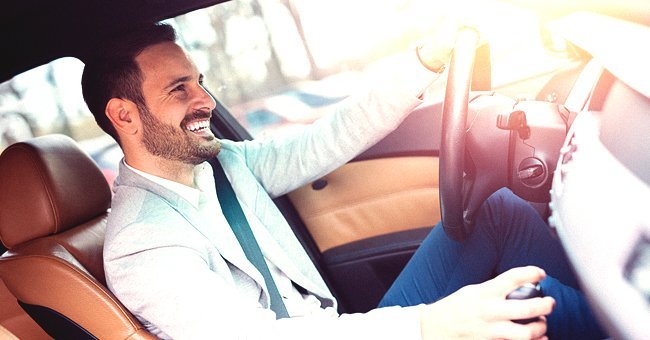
[527,291]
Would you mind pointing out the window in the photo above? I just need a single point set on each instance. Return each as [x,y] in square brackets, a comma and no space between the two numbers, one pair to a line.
[48,100]
[277,64]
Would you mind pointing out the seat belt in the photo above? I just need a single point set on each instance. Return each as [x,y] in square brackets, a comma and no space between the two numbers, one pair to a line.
[234,214]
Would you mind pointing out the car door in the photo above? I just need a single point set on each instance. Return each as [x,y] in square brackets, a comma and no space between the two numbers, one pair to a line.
[367,217]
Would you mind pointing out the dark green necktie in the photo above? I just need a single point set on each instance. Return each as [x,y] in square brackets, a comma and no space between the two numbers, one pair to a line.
[237,220]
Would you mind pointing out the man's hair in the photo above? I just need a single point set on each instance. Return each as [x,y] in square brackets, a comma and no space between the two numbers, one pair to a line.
[112,72]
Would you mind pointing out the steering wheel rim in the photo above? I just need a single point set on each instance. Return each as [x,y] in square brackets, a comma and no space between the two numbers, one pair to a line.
[452,146]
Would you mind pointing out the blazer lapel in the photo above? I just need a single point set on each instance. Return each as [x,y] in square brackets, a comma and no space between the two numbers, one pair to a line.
[281,247]
[220,234]
[217,231]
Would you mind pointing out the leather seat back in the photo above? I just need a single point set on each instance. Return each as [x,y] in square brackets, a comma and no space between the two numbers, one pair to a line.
[53,209]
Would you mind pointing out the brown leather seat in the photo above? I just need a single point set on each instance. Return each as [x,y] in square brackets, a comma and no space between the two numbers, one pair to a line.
[53,208]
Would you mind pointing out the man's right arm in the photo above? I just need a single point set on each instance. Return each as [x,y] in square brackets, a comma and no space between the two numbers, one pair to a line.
[350,127]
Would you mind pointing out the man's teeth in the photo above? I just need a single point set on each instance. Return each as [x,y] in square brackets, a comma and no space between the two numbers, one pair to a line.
[199,125]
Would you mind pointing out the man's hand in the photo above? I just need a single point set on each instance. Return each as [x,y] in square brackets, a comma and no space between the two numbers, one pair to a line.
[435,51]
[482,312]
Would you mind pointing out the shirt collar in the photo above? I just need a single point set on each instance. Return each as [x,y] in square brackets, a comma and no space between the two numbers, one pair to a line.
[190,194]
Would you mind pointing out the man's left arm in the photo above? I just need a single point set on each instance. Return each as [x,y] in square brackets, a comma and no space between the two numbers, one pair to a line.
[355,124]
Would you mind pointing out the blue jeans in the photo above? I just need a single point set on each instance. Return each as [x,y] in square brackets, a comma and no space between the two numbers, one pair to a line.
[508,233]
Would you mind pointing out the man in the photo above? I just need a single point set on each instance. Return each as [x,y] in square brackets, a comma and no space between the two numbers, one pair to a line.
[170,255]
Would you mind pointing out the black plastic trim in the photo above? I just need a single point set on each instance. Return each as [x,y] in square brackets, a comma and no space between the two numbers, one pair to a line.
[54,323]
[376,246]
[362,271]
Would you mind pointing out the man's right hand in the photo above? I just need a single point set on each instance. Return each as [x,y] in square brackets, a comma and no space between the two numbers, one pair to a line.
[481,311]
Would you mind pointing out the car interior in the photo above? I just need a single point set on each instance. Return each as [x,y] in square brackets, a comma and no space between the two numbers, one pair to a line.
[360,224]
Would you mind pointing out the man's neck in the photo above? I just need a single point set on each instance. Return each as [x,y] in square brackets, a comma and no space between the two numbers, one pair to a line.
[176,171]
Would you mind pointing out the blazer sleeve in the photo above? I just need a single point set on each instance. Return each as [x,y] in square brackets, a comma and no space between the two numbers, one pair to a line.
[358,122]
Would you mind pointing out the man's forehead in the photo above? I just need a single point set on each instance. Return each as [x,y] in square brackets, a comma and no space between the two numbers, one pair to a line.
[164,61]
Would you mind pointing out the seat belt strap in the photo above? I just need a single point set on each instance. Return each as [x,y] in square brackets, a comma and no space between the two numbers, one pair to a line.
[234,214]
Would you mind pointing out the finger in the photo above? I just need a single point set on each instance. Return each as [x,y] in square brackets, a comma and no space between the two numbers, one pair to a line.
[430,54]
[522,309]
[514,278]
[511,330]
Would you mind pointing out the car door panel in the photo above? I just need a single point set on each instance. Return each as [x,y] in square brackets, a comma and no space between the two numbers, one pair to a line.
[368,217]
[370,198]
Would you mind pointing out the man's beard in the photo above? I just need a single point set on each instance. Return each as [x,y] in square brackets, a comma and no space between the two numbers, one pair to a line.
[174,144]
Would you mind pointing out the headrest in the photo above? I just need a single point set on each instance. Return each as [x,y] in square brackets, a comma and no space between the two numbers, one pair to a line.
[48,185]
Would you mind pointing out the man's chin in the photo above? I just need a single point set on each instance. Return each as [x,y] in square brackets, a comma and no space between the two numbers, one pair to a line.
[206,152]
[203,135]
[209,137]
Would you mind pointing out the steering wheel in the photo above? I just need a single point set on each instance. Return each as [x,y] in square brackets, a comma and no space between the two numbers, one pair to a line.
[453,186]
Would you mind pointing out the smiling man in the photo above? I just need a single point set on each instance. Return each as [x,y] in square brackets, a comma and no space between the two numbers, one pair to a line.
[177,137]
[171,256]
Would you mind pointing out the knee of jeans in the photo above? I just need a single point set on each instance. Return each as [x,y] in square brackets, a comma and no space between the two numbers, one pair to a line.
[507,204]
[505,199]
[500,212]
[494,207]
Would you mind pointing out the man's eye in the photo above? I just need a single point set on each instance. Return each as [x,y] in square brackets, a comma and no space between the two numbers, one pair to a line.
[178,88]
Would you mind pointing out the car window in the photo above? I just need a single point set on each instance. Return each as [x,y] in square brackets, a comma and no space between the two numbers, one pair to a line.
[278,64]
[48,100]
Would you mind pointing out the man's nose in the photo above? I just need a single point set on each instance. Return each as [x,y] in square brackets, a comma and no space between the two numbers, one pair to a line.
[205,99]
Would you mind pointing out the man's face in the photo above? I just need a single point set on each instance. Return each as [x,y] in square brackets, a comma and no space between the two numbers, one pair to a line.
[176,119]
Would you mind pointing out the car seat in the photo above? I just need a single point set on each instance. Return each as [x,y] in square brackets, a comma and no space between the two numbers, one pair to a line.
[53,208]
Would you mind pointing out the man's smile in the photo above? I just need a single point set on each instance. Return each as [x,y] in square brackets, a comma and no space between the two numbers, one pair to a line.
[198,123]
[199,126]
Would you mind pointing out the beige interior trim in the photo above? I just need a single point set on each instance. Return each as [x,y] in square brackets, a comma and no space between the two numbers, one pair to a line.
[370,198]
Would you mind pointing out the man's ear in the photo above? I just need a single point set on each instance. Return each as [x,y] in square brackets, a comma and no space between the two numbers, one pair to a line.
[124,115]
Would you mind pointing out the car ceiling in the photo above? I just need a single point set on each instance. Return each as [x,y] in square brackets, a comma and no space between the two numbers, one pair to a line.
[34,32]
